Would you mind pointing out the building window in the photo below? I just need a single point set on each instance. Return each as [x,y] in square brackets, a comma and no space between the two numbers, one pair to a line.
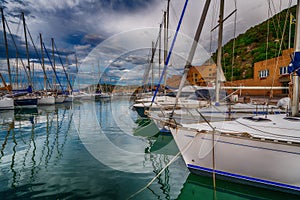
[264,73]
[283,70]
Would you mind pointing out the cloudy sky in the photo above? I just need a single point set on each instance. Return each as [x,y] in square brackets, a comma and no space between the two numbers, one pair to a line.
[116,35]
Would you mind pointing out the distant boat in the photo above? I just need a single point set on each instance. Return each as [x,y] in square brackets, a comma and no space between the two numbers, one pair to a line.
[24,98]
[25,102]
[69,98]
[46,99]
[60,98]
[82,96]
[6,103]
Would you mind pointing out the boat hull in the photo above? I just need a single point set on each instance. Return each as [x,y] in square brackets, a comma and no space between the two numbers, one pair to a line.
[252,161]
[47,100]
[25,102]
[141,110]
[59,99]
[6,103]
[69,98]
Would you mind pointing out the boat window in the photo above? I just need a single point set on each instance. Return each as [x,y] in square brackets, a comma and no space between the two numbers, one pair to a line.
[257,119]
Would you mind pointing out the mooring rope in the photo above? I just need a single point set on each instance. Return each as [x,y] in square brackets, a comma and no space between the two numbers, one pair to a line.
[163,169]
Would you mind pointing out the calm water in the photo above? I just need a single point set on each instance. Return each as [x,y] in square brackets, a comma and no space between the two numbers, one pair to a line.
[88,151]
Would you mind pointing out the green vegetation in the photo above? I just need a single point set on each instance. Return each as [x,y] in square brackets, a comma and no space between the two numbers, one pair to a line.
[256,45]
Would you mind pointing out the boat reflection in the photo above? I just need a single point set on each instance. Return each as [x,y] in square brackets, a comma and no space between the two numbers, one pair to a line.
[201,187]
[30,139]
[146,128]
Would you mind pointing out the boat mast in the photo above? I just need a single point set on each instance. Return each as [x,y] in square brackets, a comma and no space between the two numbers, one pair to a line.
[191,53]
[6,47]
[27,51]
[54,67]
[152,68]
[296,61]
[66,74]
[165,43]
[219,55]
[43,62]
[166,37]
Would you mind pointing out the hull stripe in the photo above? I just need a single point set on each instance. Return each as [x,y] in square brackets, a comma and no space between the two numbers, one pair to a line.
[228,174]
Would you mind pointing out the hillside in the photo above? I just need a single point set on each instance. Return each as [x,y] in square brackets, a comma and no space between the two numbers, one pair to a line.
[252,46]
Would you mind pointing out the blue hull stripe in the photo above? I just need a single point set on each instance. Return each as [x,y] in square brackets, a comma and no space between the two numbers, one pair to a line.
[228,174]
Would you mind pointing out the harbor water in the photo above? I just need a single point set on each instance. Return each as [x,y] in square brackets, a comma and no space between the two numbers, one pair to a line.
[89,150]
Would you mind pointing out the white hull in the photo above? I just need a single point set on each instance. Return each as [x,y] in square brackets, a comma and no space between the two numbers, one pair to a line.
[46,100]
[59,99]
[69,98]
[6,103]
[252,157]
[82,96]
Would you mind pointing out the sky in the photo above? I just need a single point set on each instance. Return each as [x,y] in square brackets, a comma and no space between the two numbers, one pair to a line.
[112,39]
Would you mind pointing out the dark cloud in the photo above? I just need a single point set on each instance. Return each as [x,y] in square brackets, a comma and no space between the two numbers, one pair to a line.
[80,25]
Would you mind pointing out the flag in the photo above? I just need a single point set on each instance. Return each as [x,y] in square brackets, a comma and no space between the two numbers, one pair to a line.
[292,19]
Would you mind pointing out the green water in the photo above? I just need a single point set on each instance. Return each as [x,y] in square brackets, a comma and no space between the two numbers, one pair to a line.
[89,151]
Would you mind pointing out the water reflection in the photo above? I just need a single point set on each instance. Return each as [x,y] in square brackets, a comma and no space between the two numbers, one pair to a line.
[201,187]
[44,154]
[30,139]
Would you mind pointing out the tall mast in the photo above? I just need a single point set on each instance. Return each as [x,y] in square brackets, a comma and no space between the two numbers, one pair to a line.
[191,53]
[43,62]
[27,51]
[165,43]
[159,49]
[219,55]
[295,97]
[54,67]
[6,46]
[152,67]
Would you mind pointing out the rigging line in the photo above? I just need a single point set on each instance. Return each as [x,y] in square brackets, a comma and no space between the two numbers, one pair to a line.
[234,39]
[270,133]
[277,18]
[280,46]
[38,55]
[63,67]
[53,67]
[152,53]
[19,24]
[15,44]
[213,18]
[165,167]
[175,16]
[192,51]
[170,52]
[268,33]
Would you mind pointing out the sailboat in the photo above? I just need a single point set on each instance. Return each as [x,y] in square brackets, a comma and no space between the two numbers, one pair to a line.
[23,98]
[256,150]
[6,103]
[45,98]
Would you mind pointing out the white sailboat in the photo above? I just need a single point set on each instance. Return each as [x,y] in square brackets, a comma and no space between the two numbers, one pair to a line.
[6,103]
[260,150]
[46,99]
